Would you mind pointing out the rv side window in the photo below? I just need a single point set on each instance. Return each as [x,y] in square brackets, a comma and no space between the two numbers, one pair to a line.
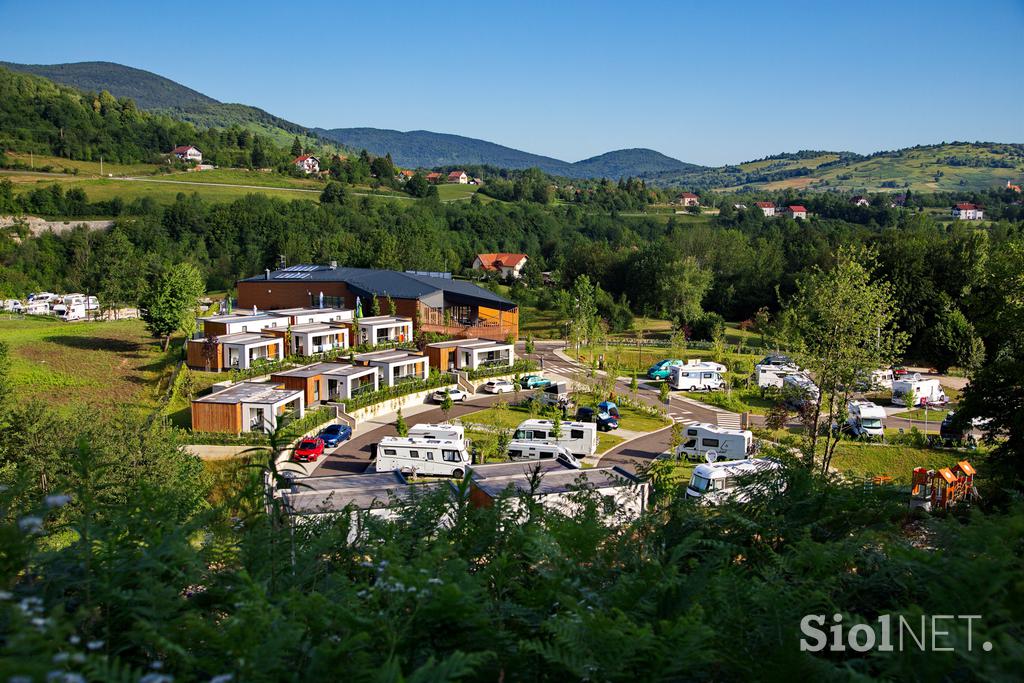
[691,432]
[389,451]
[546,455]
[575,433]
[707,375]
[414,454]
[692,443]
[710,443]
[429,455]
[451,456]
[539,435]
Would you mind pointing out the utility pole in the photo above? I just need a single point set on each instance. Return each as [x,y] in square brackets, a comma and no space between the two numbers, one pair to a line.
[101,166]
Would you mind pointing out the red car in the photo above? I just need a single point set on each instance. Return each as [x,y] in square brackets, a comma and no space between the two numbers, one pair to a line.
[308,450]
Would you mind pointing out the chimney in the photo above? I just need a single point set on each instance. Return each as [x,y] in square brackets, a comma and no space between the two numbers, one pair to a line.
[268,273]
[334,265]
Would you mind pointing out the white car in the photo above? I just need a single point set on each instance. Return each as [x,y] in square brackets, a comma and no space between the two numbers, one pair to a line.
[499,386]
[455,393]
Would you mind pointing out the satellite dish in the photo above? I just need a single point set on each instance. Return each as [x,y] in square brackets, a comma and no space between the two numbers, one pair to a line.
[710,457]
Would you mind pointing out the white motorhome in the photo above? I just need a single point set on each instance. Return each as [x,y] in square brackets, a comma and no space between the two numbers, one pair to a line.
[71,312]
[735,481]
[423,455]
[42,296]
[882,379]
[924,390]
[727,444]
[38,307]
[13,305]
[556,394]
[773,375]
[697,375]
[438,431]
[525,451]
[579,438]
[865,419]
[798,389]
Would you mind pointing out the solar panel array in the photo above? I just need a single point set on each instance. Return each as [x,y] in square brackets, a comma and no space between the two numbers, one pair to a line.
[299,272]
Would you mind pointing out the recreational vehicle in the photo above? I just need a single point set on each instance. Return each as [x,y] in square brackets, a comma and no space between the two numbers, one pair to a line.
[727,444]
[556,394]
[772,375]
[697,375]
[925,391]
[524,451]
[579,438]
[38,307]
[438,431]
[13,305]
[75,311]
[798,389]
[865,419]
[735,481]
[423,455]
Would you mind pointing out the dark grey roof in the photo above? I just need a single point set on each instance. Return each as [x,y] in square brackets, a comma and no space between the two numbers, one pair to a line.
[367,282]
[553,481]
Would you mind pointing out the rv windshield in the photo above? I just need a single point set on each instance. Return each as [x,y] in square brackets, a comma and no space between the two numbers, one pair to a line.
[699,483]
[871,423]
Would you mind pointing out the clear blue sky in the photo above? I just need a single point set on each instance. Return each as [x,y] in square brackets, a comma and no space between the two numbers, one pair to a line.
[704,82]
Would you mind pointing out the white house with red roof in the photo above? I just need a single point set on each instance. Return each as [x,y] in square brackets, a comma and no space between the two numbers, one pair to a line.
[966,211]
[307,163]
[688,199]
[767,208]
[188,153]
[509,265]
[458,178]
[795,211]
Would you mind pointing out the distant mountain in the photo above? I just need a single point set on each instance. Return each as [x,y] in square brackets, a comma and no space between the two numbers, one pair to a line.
[425,149]
[155,93]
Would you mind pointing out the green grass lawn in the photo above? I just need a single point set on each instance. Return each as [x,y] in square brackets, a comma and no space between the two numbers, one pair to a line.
[896,461]
[933,415]
[105,189]
[451,192]
[241,176]
[59,164]
[102,365]
[179,408]
[607,441]
[737,400]
[630,359]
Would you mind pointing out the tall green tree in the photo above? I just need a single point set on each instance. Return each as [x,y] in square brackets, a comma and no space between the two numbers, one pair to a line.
[168,304]
[296,149]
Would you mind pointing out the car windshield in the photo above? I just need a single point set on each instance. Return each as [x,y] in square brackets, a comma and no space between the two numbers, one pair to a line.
[333,429]
[871,423]
[699,483]
[307,444]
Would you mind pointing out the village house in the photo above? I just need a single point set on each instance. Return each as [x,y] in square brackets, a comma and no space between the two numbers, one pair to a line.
[307,163]
[405,174]
[470,354]
[767,208]
[458,178]
[396,366]
[1013,188]
[687,199]
[437,302]
[509,265]
[188,153]
[321,382]
[966,211]
[433,177]
[795,211]
[860,200]
[245,407]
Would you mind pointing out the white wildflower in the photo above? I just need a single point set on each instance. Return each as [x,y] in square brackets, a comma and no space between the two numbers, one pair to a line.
[6,595]
[57,500]
[30,525]
[434,581]
[61,657]
[94,645]
[74,639]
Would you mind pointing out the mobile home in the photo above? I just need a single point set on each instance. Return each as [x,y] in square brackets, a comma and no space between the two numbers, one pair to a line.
[799,389]
[697,375]
[925,391]
[438,431]
[727,444]
[525,451]
[735,481]
[774,375]
[865,419]
[579,438]
[423,455]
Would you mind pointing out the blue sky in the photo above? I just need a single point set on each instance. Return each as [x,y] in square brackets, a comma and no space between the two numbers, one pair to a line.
[704,82]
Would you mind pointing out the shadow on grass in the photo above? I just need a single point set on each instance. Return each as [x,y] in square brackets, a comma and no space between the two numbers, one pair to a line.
[122,346]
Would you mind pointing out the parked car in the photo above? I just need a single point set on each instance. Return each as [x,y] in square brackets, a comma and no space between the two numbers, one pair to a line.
[455,393]
[309,450]
[662,368]
[534,382]
[499,386]
[610,408]
[332,435]
[604,421]
[899,371]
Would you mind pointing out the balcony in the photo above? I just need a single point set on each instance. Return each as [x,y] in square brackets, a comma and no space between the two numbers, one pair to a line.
[465,321]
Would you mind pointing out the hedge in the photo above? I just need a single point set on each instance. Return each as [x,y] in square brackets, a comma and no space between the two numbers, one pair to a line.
[520,367]
[403,389]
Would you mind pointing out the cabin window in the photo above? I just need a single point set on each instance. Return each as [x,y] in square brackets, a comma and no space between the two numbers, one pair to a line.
[389,451]
[707,375]
[710,443]
[576,434]
[451,456]
[414,454]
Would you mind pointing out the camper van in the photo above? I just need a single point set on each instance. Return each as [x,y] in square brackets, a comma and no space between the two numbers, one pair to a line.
[697,375]
[773,375]
[423,455]
[736,481]
[799,389]
[556,394]
[71,312]
[925,391]
[865,419]
[13,305]
[727,444]
[524,451]
[438,431]
[579,438]
[38,307]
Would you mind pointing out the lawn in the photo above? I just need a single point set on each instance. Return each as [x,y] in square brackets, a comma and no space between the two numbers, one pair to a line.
[160,190]
[896,461]
[241,176]
[737,400]
[179,407]
[630,359]
[102,365]
[452,192]
[919,414]
[59,165]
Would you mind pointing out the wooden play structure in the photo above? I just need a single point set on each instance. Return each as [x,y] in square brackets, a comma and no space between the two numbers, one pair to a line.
[933,490]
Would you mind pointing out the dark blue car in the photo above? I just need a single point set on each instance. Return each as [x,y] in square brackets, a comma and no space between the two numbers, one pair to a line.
[335,434]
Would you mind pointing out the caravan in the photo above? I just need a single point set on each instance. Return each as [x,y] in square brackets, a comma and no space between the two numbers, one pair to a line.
[727,444]
[798,389]
[697,375]
[865,419]
[736,481]
[925,391]
[579,438]
[423,455]
[438,431]
[526,451]
[774,375]
[38,307]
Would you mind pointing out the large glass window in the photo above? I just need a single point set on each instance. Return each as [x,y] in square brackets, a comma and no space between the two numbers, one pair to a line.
[451,456]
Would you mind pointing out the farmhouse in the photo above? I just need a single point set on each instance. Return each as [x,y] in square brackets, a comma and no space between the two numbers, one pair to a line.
[245,407]
[433,177]
[860,200]
[440,303]
[767,208]
[965,211]
[188,153]
[458,178]
[396,366]
[307,163]
[470,354]
[687,199]
[509,265]
[795,211]
[321,382]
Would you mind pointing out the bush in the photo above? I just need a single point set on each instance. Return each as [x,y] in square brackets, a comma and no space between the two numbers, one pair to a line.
[708,327]
[403,389]
[520,367]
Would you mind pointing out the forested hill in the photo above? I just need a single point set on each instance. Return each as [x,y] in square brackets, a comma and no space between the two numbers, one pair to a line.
[154,93]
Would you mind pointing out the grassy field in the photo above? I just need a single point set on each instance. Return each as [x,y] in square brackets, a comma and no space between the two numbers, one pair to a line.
[89,168]
[630,359]
[932,414]
[898,462]
[241,176]
[163,192]
[452,192]
[101,365]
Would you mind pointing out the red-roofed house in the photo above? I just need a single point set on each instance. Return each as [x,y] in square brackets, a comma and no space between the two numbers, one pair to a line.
[307,163]
[434,177]
[458,177]
[767,208]
[795,211]
[406,174]
[188,153]
[509,265]
[688,199]
[965,211]
[1011,186]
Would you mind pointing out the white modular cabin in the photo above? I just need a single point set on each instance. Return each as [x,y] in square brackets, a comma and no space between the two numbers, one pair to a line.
[526,451]
[697,375]
[579,438]
[865,418]
[735,481]
[925,391]
[727,444]
[423,455]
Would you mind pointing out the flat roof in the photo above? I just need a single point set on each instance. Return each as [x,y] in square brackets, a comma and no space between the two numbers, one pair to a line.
[389,356]
[311,370]
[336,482]
[315,327]
[242,317]
[361,491]
[557,481]
[245,338]
[310,310]
[506,469]
[384,320]
[251,392]
[473,343]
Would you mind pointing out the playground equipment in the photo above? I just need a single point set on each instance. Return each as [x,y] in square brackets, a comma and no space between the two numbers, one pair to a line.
[942,489]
